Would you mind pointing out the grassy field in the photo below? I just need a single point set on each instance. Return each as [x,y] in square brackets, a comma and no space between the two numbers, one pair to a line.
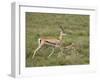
[47,24]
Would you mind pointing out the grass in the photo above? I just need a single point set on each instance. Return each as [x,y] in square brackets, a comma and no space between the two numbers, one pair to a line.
[47,24]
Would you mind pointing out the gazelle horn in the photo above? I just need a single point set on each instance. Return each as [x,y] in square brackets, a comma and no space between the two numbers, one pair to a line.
[61,28]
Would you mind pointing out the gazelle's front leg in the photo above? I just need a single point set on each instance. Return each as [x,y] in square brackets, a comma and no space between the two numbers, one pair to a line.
[61,52]
[36,50]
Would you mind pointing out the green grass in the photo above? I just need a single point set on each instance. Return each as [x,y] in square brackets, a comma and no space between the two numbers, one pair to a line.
[47,24]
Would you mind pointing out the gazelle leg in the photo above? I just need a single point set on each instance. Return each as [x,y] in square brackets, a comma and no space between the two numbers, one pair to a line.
[36,50]
[51,52]
[61,52]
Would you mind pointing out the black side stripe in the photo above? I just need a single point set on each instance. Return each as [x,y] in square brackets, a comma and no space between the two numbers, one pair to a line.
[40,41]
[51,42]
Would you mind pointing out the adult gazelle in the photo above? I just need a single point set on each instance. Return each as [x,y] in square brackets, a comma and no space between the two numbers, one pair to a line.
[55,42]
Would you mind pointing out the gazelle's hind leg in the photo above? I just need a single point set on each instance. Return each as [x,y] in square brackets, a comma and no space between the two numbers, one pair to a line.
[51,52]
[36,50]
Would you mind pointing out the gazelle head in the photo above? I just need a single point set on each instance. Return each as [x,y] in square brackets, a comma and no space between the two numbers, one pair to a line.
[62,33]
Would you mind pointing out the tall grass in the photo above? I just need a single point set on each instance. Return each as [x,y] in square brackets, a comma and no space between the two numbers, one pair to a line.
[47,24]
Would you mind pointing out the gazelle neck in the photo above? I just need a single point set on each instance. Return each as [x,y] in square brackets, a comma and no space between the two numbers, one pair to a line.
[60,37]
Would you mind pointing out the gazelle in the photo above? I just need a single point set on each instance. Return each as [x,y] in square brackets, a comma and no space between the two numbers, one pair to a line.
[50,41]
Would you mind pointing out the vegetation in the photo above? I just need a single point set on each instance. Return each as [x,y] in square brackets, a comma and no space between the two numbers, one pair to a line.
[47,24]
